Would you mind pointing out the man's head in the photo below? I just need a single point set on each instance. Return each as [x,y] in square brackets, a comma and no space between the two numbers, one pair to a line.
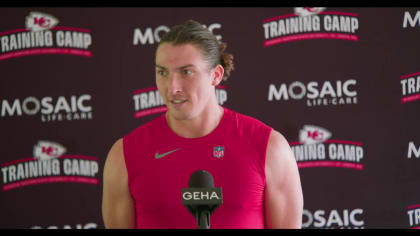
[190,62]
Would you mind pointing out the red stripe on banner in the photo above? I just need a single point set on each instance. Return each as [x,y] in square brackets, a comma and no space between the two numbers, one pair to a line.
[321,13]
[295,143]
[18,161]
[62,156]
[145,90]
[296,37]
[37,51]
[330,164]
[69,156]
[221,86]
[13,31]
[410,75]
[338,13]
[279,17]
[71,29]
[54,28]
[331,141]
[413,206]
[150,111]
[344,142]
[410,98]
[71,179]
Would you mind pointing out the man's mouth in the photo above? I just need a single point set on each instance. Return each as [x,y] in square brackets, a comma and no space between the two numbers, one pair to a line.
[178,101]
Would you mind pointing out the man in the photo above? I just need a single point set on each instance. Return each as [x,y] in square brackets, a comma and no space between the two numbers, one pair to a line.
[146,170]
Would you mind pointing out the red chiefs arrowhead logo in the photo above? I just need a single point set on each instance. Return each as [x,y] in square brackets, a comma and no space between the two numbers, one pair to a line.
[46,150]
[37,21]
[307,11]
[311,134]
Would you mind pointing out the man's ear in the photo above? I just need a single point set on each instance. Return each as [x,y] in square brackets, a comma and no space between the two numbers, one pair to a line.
[217,75]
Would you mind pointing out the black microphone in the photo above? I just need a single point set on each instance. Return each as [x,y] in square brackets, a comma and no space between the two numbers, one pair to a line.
[201,198]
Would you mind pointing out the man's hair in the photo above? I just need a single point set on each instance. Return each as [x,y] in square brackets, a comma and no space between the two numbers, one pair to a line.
[213,51]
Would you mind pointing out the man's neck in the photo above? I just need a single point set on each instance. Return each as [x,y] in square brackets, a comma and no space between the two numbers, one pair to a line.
[199,126]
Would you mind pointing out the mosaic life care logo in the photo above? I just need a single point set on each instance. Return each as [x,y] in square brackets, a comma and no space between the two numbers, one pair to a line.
[310,23]
[148,101]
[410,87]
[43,36]
[333,219]
[51,109]
[413,213]
[50,164]
[315,149]
[151,35]
[334,93]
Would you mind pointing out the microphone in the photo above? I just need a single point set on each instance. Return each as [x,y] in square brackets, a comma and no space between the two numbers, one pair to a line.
[201,198]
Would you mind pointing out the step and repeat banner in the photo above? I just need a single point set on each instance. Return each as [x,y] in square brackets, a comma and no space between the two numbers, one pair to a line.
[341,84]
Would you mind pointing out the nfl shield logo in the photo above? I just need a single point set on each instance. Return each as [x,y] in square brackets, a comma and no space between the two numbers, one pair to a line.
[218,151]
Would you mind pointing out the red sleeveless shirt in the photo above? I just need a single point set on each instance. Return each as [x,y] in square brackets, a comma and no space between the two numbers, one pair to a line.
[159,165]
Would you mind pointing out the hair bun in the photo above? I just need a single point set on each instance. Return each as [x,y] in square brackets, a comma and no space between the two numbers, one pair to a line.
[226,60]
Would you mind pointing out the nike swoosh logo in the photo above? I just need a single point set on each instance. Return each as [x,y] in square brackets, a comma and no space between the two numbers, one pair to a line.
[158,156]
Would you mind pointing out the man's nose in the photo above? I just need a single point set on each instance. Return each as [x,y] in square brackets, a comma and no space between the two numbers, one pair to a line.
[175,84]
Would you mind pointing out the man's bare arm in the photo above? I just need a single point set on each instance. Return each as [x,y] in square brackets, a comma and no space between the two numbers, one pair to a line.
[283,193]
[118,208]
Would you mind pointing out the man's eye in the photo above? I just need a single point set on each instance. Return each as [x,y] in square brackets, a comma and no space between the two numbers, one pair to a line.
[187,72]
[162,72]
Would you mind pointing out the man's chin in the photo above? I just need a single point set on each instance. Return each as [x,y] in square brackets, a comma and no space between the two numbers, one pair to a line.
[178,115]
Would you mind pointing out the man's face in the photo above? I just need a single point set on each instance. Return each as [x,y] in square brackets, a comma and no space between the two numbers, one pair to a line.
[184,80]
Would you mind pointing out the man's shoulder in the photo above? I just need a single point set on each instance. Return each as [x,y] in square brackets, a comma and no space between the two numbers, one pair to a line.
[277,140]
[244,120]
[252,129]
